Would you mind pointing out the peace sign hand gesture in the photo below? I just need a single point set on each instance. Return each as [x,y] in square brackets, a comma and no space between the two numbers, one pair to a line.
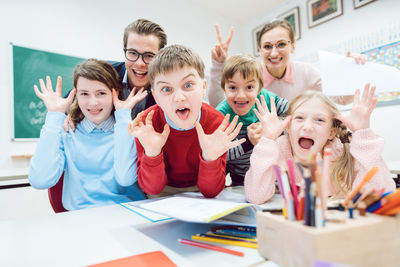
[271,124]
[220,51]
[53,100]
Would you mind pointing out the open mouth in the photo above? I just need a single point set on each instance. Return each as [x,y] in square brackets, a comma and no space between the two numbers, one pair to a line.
[275,60]
[140,74]
[306,143]
[183,113]
[241,104]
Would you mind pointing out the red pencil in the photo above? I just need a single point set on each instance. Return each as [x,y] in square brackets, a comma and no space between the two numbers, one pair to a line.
[212,247]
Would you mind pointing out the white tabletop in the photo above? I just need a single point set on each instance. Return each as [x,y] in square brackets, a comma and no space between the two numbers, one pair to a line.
[90,236]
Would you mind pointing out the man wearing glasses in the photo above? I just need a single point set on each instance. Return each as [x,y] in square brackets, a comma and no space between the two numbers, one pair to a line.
[142,40]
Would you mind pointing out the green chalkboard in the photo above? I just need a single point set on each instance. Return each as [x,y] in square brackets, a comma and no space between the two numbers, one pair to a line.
[29,65]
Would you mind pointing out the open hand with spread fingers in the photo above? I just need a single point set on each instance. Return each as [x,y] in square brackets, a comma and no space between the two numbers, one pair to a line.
[360,114]
[53,100]
[216,144]
[151,140]
[219,52]
[271,124]
[134,97]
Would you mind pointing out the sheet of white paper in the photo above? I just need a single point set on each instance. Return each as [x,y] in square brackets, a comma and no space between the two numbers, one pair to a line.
[342,75]
[147,214]
[193,209]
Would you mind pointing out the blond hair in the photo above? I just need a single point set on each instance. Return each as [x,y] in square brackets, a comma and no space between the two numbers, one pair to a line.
[275,24]
[343,172]
[95,70]
[146,27]
[172,58]
[248,67]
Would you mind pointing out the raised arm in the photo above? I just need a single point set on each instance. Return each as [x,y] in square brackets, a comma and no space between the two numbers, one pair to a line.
[125,158]
[219,54]
[48,161]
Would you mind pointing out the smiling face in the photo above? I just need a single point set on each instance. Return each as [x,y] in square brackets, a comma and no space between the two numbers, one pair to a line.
[310,128]
[137,71]
[241,93]
[94,100]
[275,50]
[180,94]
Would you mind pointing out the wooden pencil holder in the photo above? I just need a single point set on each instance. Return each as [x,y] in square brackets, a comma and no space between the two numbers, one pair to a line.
[370,240]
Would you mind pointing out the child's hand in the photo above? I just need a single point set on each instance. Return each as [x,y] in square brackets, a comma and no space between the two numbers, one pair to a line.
[254,132]
[360,114]
[133,98]
[151,141]
[53,100]
[271,125]
[220,141]
[220,51]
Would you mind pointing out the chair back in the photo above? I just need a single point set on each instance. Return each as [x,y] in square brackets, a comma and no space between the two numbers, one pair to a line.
[55,196]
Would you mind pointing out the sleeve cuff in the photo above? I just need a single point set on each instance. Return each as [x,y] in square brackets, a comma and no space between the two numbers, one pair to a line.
[55,120]
[153,161]
[123,114]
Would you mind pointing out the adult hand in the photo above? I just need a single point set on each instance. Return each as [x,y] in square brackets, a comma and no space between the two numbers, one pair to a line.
[134,97]
[216,144]
[254,132]
[359,58]
[272,126]
[68,122]
[151,140]
[220,51]
[359,116]
[53,100]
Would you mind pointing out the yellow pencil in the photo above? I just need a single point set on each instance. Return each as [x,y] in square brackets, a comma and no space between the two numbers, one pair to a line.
[223,241]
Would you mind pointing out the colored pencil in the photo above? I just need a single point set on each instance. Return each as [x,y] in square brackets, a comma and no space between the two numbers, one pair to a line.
[211,247]
[224,241]
[368,176]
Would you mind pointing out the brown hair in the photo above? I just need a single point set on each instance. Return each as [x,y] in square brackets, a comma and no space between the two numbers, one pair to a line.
[175,57]
[343,172]
[247,65]
[146,27]
[95,70]
[274,24]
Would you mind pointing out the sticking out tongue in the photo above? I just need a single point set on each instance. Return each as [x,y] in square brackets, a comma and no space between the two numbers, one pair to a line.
[306,143]
[183,114]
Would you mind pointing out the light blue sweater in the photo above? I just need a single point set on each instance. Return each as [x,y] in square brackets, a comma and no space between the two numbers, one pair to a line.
[99,166]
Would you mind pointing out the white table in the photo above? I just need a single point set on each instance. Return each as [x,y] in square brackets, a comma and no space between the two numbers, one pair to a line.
[90,236]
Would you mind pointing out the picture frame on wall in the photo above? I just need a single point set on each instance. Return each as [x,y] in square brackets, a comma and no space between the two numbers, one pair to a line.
[320,11]
[293,17]
[360,3]
[255,33]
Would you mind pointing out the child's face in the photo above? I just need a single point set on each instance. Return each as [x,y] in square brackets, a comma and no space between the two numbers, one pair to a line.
[276,59]
[240,93]
[180,94]
[310,129]
[138,70]
[94,100]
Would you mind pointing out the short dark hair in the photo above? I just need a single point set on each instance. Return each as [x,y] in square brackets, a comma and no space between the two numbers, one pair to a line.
[146,27]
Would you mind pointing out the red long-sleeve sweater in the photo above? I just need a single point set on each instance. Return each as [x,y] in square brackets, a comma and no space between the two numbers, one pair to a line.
[180,163]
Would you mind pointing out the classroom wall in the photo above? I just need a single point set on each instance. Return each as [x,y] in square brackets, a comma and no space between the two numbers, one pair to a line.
[90,28]
[368,23]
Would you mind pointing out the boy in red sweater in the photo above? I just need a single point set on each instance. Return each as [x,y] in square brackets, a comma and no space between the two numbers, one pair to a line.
[181,141]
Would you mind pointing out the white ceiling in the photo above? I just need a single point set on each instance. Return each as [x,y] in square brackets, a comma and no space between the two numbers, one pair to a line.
[239,10]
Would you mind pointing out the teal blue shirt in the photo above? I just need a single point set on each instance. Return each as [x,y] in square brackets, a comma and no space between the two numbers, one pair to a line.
[251,117]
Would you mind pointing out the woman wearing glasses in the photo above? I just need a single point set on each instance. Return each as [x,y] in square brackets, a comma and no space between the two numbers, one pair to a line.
[287,79]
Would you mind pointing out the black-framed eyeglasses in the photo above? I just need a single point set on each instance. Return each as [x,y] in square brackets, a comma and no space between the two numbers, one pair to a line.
[281,45]
[133,55]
